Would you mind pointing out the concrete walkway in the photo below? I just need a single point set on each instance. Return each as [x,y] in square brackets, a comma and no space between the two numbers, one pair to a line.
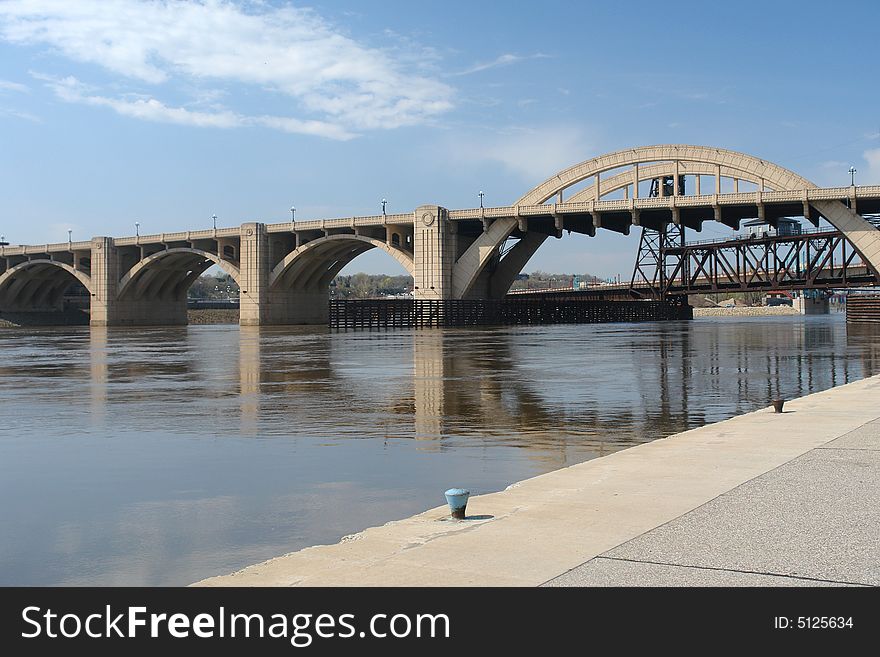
[761,499]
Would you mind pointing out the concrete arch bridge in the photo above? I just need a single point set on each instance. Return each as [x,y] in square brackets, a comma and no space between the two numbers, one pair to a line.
[284,269]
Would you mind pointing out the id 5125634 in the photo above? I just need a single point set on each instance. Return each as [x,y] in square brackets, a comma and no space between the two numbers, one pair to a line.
[813,622]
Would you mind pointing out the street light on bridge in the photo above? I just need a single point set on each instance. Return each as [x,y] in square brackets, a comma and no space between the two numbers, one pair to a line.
[69,236]
[137,228]
[481,197]
[292,214]
[383,206]
[852,176]
[214,218]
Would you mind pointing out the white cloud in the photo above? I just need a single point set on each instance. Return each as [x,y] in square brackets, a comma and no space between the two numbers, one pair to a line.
[6,85]
[501,60]
[872,175]
[329,77]
[149,109]
[17,114]
[532,153]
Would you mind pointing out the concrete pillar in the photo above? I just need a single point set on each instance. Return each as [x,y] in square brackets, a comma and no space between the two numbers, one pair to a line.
[133,308]
[105,281]
[435,249]
[261,305]
[254,261]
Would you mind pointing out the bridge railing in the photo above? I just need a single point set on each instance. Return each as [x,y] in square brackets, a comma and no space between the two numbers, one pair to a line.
[602,205]
[39,249]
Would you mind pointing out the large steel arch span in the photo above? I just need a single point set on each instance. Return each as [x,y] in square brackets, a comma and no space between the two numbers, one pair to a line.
[625,180]
[747,166]
[662,158]
[314,264]
[170,273]
[32,283]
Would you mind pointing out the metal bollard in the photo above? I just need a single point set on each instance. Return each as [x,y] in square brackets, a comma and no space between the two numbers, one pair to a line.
[777,405]
[457,499]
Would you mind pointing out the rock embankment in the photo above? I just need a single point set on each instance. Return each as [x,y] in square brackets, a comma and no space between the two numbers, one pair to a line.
[206,316]
[745,311]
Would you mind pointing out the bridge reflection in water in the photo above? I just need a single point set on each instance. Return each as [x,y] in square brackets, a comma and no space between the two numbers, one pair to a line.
[574,391]
[160,456]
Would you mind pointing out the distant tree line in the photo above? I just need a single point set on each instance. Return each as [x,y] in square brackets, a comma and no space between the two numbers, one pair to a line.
[376,286]
[214,287]
[371,286]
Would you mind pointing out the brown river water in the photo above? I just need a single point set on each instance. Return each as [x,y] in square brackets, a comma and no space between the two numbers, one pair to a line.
[163,456]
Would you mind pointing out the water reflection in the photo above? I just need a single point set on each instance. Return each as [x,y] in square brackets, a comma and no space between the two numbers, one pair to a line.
[98,374]
[159,456]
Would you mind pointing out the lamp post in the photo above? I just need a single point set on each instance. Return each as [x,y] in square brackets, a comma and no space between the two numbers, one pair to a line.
[137,228]
[69,236]
[292,214]
[383,206]
[481,197]
[214,218]
[852,176]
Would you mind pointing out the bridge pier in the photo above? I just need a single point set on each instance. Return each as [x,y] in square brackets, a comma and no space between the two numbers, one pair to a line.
[435,243]
[151,301]
[261,302]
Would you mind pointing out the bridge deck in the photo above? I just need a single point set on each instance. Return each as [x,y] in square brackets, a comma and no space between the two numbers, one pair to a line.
[865,198]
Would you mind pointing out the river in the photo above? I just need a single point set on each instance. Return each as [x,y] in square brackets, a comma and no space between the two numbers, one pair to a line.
[161,456]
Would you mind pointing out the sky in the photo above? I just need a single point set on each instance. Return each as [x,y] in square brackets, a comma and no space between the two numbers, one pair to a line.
[166,113]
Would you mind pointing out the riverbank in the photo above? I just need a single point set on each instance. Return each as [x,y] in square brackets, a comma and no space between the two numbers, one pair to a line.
[708,506]
[212,316]
[745,311]
[81,318]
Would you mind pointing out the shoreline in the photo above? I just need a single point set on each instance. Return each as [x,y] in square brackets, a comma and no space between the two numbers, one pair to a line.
[747,311]
[201,317]
[541,528]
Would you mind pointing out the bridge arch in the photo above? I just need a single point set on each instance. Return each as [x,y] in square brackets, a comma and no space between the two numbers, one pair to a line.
[669,159]
[316,263]
[740,164]
[169,273]
[38,284]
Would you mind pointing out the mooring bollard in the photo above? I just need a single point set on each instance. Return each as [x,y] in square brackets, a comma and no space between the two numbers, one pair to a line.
[777,405]
[457,499]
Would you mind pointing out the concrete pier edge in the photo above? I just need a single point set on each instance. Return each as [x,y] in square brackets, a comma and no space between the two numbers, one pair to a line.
[541,528]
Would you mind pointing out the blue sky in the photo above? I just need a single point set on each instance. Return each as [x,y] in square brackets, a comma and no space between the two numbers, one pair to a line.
[165,113]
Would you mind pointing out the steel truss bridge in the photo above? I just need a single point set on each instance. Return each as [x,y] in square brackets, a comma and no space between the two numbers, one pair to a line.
[667,265]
